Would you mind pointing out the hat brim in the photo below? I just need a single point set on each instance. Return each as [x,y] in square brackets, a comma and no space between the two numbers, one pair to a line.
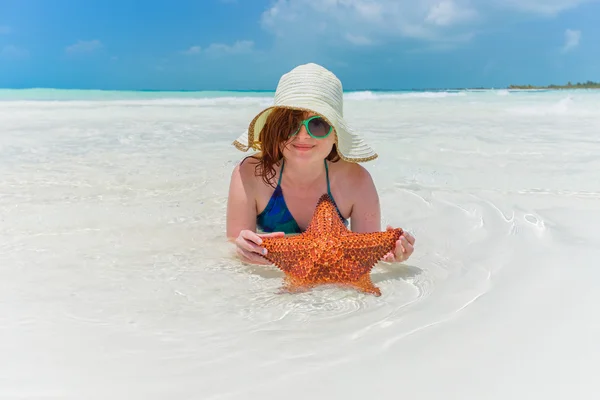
[350,146]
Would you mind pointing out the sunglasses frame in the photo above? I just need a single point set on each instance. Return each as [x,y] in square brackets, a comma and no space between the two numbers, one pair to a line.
[306,122]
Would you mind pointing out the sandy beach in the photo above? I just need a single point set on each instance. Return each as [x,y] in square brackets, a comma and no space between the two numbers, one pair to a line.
[116,281]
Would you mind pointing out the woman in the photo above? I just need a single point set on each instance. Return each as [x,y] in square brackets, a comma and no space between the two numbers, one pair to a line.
[304,149]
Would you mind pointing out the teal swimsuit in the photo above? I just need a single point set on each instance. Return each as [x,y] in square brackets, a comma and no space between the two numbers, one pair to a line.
[277,218]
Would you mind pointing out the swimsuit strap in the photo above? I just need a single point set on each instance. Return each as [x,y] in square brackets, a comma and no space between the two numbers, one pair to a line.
[327,177]
[281,172]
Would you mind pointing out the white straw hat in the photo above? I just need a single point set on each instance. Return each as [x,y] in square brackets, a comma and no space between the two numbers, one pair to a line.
[310,87]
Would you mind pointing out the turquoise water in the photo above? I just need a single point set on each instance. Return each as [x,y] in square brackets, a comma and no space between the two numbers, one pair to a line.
[81,94]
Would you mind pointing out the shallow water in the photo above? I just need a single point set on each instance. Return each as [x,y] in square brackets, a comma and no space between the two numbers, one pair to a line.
[116,280]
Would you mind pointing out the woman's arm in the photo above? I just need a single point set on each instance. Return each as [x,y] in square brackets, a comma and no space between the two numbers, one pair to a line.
[241,205]
[366,210]
[241,216]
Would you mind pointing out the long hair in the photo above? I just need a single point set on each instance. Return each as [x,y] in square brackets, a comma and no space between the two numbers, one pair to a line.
[280,124]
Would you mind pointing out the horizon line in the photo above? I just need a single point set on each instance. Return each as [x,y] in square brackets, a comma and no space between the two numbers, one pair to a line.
[254,90]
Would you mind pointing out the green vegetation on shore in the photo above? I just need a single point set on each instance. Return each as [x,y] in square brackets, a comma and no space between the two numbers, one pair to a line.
[578,85]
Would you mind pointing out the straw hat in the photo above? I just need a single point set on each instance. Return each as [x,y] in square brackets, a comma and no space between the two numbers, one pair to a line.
[310,87]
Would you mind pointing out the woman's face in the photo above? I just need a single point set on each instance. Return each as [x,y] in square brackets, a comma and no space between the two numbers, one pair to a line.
[305,148]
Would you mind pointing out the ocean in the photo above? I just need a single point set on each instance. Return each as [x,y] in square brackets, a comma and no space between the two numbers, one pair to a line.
[116,281]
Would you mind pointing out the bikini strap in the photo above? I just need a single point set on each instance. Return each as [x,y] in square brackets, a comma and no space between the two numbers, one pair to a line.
[327,177]
[281,172]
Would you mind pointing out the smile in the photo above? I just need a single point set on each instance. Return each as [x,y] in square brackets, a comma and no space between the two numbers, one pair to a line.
[303,146]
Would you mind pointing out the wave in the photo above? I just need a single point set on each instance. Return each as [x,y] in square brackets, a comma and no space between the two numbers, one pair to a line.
[370,95]
[162,102]
[195,97]
[92,98]
[565,106]
[69,95]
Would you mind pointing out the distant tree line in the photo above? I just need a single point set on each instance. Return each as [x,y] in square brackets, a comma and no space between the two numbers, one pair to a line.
[569,85]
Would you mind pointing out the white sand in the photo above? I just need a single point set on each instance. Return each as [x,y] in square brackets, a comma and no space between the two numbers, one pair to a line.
[116,282]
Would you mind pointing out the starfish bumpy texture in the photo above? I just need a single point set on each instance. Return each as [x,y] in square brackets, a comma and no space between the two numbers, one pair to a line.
[329,253]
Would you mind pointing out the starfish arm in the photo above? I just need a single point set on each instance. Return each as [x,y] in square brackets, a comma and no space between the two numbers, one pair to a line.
[366,249]
[326,220]
[293,255]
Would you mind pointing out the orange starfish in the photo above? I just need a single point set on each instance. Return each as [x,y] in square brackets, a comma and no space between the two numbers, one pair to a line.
[329,253]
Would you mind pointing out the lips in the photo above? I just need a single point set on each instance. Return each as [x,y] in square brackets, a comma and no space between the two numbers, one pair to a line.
[303,146]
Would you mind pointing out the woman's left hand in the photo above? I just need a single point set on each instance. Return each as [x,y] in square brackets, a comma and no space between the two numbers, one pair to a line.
[404,249]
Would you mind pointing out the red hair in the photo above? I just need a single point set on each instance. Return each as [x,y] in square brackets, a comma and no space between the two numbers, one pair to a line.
[280,124]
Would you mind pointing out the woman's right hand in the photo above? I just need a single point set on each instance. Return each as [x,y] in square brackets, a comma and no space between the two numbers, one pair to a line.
[248,246]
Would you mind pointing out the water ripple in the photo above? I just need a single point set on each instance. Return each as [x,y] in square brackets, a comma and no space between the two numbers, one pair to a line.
[113,259]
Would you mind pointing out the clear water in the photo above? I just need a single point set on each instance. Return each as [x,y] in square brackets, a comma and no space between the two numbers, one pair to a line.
[116,280]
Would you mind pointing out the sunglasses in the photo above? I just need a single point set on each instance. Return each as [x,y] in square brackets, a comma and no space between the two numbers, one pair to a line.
[316,127]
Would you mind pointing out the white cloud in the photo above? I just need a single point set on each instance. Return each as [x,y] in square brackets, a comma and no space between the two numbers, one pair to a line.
[192,50]
[543,7]
[358,40]
[13,52]
[448,13]
[83,46]
[367,21]
[436,23]
[217,49]
[572,38]
[239,47]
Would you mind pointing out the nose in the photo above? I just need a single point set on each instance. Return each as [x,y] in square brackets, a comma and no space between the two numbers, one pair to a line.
[302,133]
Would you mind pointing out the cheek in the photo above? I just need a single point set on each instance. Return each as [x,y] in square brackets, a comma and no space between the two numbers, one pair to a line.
[329,142]
[285,145]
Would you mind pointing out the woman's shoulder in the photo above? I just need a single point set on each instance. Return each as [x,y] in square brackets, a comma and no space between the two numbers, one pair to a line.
[351,173]
[249,171]
[247,165]
[352,182]
[243,171]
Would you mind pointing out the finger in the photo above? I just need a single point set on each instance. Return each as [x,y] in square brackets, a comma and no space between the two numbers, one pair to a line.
[410,238]
[404,243]
[255,258]
[389,257]
[409,247]
[271,234]
[251,257]
[251,236]
[247,243]
[400,245]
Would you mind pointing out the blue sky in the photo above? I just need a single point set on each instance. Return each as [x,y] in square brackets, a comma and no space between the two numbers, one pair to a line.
[248,44]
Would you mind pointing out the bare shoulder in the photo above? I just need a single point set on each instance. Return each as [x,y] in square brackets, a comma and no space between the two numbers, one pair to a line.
[247,165]
[248,176]
[353,175]
[245,171]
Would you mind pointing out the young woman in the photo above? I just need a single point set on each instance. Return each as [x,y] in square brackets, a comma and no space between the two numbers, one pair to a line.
[304,149]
